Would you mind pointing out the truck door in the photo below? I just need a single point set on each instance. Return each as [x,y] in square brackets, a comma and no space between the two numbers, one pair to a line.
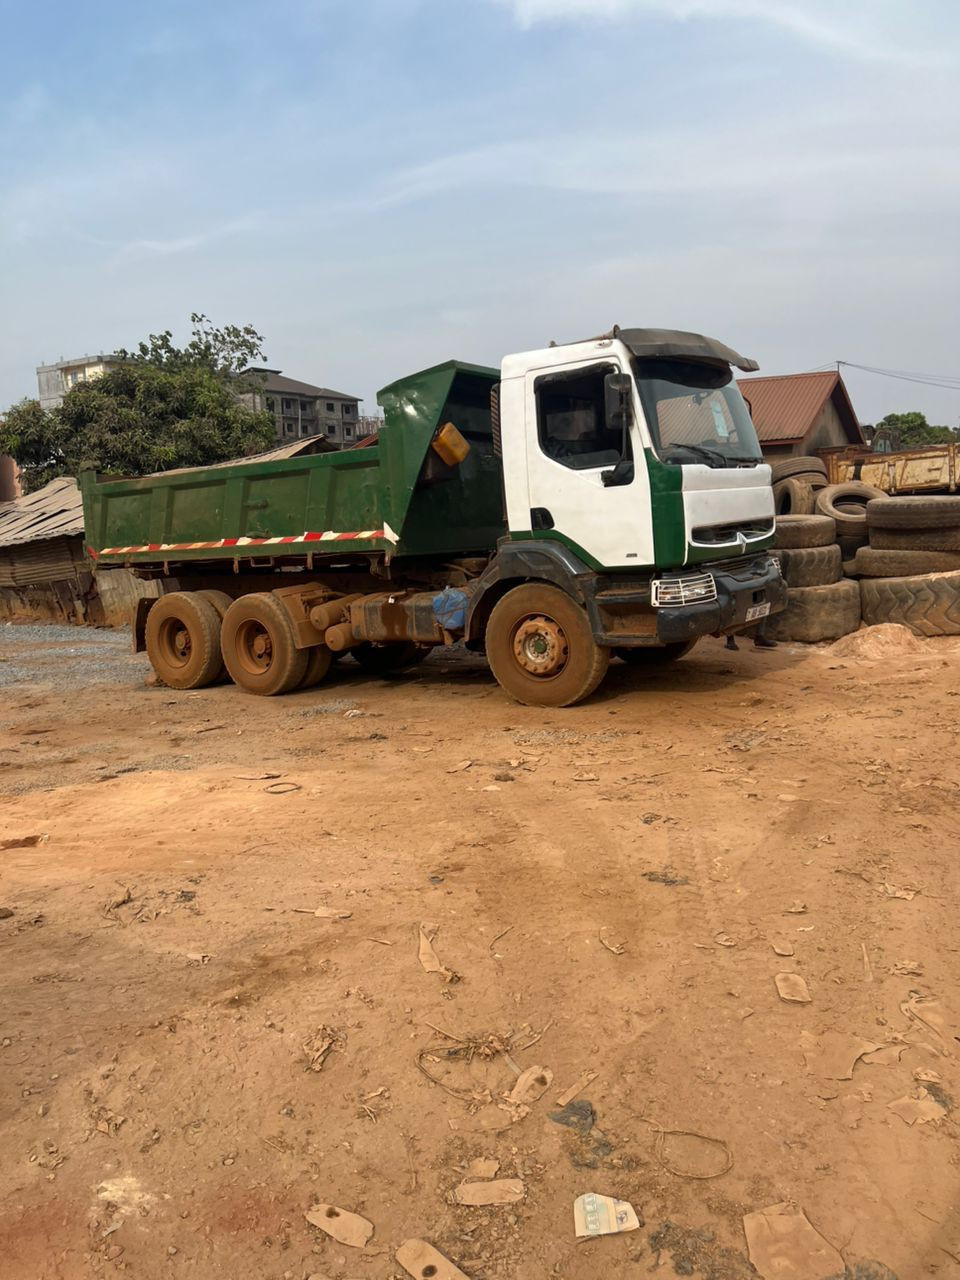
[569,447]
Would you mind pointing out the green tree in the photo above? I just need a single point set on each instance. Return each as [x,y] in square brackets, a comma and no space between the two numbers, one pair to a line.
[163,407]
[915,431]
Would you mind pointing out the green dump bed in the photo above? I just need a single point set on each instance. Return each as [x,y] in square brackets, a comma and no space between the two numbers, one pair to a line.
[394,497]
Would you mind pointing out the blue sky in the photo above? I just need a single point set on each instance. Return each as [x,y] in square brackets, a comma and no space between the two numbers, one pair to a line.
[382,184]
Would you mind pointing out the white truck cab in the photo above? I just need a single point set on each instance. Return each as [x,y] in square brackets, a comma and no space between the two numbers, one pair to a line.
[635,448]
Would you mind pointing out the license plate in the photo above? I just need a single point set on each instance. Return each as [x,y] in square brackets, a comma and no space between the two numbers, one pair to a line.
[758,611]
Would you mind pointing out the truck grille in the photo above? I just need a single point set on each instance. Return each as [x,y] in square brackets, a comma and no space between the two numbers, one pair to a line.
[715,535]
[692,588]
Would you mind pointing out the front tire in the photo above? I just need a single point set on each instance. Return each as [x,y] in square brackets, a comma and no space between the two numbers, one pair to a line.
[259,647]
[541,649]
[655,655]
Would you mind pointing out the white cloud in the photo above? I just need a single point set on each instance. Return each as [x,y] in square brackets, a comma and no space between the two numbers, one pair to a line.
[871,30]
[187,243]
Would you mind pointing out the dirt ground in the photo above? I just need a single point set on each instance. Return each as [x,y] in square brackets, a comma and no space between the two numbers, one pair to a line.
[213,1015]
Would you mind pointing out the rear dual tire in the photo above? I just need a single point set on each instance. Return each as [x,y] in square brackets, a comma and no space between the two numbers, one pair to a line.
[259,646]
[182,636]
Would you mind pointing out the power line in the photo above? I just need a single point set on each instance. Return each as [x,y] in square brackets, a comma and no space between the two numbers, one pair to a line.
[945,381]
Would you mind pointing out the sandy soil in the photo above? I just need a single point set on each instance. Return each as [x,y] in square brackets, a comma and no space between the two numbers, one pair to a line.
[191,1058]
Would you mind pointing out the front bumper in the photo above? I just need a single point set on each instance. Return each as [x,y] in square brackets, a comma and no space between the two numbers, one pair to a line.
[622,616]
[739,588]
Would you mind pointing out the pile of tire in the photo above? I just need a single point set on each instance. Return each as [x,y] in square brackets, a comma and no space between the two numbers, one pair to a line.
[846,505]
[796,483]
[910,571]
[821,603]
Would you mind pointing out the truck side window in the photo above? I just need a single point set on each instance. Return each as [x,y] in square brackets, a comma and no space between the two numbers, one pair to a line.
[571,421]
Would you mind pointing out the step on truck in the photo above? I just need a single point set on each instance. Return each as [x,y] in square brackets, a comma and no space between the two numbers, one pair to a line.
[593,499]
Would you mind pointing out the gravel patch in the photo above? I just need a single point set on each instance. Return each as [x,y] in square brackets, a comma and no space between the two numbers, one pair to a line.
[67,657]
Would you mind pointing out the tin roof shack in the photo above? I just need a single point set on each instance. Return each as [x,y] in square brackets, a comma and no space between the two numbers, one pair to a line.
[801,413]
[44,572]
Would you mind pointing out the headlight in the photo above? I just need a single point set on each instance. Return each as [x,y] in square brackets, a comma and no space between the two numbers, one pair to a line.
[680,590]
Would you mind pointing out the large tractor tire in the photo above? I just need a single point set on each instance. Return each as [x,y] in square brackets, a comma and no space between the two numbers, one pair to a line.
[787,468]
[651,656]
[915,539]
[873,563]
[541,649]
[804,531]
[929,605]
[810,566]
[259,646]
[818,613]
[914,513]
[183,640]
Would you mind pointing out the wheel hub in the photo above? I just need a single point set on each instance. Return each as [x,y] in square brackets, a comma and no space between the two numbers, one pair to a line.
[181,643]
[255,647]
[540,646]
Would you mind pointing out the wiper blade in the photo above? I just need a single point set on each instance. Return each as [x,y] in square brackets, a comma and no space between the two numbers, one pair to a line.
[709,454]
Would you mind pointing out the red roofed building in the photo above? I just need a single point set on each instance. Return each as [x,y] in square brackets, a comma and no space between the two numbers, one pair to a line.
[801,413]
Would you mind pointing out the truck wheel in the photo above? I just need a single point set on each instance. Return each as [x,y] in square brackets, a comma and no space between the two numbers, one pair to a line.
[221,602]
[258,645]
[183,640]
[655,655]
[319,661]
[541,649]
[383,659]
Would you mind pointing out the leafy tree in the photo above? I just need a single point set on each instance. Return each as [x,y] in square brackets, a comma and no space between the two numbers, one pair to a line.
[915,431]
[163,407]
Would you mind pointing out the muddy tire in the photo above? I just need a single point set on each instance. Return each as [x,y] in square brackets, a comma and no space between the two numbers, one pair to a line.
[818,613]
[804,531]
[793,497]
[259,647]
[183,640]
[319,662]
[810,566]
[915,539]
[871,563]
[541,649]
[929,605]
[386,659]
[847,504]
[790,467]
[915,513]
[221,602]
[655,655]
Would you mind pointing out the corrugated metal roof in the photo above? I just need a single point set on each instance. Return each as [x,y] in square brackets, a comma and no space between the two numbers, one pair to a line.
[54,511]
[785,408]
[305,445]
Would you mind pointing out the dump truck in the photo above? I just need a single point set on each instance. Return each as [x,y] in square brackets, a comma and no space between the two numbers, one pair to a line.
[595,499]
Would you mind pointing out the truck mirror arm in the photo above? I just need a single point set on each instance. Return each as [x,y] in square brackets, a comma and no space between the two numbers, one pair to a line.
[622,473]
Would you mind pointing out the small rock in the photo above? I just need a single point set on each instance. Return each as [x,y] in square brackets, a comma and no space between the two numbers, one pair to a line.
[503,777]
[6,913]
[172,1250]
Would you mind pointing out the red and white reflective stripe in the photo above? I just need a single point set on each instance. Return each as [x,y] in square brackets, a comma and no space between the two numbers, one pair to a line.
[329,535]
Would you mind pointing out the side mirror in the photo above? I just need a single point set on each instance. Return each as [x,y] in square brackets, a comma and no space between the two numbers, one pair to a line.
[617,401]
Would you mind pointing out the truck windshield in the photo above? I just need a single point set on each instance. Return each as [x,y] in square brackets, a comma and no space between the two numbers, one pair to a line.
[696,414]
